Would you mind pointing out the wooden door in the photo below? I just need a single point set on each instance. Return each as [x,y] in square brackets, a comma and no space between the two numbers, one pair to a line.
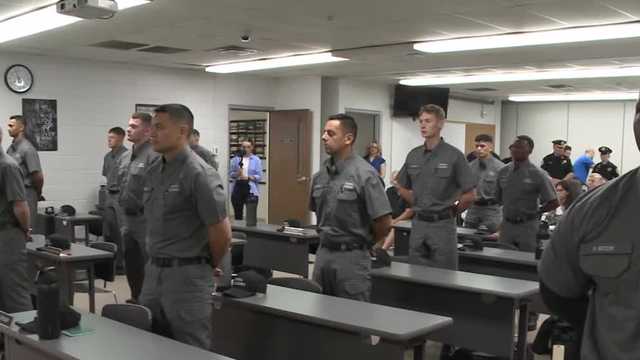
[289,165]
[473,130]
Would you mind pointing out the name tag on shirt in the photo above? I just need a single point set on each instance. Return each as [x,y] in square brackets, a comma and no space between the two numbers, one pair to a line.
[443,166]
[527,181]
[348,186]
[173,188]
[603,248]
[140,165]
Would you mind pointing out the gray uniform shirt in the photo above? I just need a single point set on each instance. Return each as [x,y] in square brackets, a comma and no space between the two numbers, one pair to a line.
[521,190]
[181,198]
[114,167]
[486,173]
[206,155]
[142,156]
[26,155]
[346,197]
[437,177]
[11,189]
[594,252]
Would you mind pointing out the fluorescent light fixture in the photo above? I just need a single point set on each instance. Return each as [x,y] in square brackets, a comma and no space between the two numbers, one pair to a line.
[272,63]
[584,96]
[560,36]
[44,19]
[570,73]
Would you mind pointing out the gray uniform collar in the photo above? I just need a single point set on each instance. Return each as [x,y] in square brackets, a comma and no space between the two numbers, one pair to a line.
[180,158]
[435,148]
[137,149]
[338,166]
[117,151]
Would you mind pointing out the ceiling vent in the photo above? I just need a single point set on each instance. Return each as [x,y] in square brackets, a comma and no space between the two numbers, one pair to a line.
[233,51]
[163,50]
[119,45]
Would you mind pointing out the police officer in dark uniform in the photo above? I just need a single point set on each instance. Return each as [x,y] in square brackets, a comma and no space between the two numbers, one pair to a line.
[557,164]
[353,213]
[590,271]
[14,231]
[605,167]
[188,232]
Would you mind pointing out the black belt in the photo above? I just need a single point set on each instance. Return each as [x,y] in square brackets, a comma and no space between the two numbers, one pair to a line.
[521,219]
[335,246]
[176,262]
[113,192]
[433,217]
[132,212]
[485,202]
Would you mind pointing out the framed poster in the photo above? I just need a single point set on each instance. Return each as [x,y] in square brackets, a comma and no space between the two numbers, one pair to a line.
[146,108]
[42,123]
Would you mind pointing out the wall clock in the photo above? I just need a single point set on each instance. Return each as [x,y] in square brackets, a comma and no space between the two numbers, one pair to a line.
[18,78]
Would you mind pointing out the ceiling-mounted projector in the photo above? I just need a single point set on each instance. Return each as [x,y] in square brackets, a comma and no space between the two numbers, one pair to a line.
[88,9]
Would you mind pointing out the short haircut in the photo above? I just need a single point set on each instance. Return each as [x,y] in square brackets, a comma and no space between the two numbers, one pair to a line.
[484,138]
[117,131]
[19,118]
[177,113]
[526,139]
[573,189]
[348,124]
[433,110]
[142,116]
[567,147]
[195,132]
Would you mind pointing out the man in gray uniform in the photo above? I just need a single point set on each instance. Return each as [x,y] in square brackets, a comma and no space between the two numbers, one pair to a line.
[14,231]
[188,231]
[134,229]
[113,169]
[353,213]
[522,186]
[589,272]
[485,211]
[437,181]
[26,155]
[203,152]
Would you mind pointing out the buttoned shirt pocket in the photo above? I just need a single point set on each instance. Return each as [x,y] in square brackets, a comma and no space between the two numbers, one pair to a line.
[176,199]
[443,171]
[347,208]
[606,263]
[414,171]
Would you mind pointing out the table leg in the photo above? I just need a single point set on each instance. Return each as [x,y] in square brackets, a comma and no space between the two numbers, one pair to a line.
[86,234]
[92,289]
[418,351]
[523,323]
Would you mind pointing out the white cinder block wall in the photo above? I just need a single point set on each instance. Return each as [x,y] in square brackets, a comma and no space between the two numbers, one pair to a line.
[582,124]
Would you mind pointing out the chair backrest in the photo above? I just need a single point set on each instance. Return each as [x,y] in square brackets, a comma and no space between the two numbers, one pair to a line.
[131,314]
[105,270]
[238,235]
[297,283]
[499,245]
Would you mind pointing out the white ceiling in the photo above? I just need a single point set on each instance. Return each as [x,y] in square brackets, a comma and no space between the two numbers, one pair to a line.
[356,28]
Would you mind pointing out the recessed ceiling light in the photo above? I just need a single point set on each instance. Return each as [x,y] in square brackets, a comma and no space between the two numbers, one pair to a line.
[272,63]
[547,37]
[570,73]
[584,96]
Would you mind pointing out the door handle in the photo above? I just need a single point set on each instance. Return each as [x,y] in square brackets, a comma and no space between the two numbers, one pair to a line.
[302,179]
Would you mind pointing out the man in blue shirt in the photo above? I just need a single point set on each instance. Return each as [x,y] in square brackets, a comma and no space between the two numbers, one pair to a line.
[582,165]
[245,173]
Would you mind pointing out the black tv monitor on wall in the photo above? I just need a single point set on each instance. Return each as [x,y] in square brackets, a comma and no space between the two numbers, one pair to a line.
[408,99]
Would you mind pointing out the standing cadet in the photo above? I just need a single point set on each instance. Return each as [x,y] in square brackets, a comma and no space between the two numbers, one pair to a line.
[485,211]
[605,167]
[352,210]
[203,152]
[437,181]
[113,169]
[188,232]
[14,231]
[521,187]
[589,272]
[131,200]
[557,164]
[26,155]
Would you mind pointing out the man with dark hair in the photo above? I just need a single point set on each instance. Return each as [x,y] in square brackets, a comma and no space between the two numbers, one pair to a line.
[485,211]
[131,200]
[521,187]
[437,181]
[557,164]
[26,155]
[15,230]
[483,138]
[114,167]
[352,210]
[589,270]
[188,231]
[203,152]
[606,168]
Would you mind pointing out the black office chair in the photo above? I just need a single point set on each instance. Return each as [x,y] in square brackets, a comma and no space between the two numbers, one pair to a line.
[131,314]
[297,283]
[499,245]
[104,270]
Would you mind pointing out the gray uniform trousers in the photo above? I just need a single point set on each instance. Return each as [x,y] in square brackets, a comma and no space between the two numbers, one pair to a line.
[15,284]
[181,302]
[112,225]
[523,236]
[434,244]
[345,274]
[135,253]
[489,216]
[32,199]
